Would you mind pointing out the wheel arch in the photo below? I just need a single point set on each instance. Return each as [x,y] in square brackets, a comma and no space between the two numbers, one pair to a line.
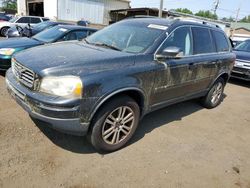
[135,93]
[224,75]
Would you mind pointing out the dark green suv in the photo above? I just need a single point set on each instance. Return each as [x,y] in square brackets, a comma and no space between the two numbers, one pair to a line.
[103,86]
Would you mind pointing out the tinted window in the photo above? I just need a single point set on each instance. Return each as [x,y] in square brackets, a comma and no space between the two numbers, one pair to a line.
[81,34]
[23,20]
[180,38]
[221,41]
[202,41]
[75,35]
[90,32]
[35,20]
[45,19]
[244,46]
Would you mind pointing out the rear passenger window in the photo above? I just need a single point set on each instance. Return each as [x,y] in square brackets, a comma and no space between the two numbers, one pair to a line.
[45,19]
[221,41]
[35,20]
[202,41]
[81,35]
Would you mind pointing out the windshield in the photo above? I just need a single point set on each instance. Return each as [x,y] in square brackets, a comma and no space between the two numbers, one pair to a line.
[51,35]
[41,26]
[12,20]
[128,37]
[244,46]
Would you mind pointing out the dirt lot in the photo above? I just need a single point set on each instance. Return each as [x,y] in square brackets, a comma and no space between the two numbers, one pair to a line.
[183,145]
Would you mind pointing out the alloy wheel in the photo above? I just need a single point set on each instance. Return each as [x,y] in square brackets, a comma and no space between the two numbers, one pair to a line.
[218,89]
[118,125]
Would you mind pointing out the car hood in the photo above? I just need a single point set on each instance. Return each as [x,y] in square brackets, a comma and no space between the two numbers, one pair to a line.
[19,42]
[4,23]
[242,55]
[72,58]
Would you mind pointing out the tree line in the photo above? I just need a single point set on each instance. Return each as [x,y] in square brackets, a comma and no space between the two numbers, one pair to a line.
[211,15]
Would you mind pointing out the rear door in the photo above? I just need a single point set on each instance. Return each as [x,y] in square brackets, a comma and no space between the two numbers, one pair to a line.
[224,58]
[204,56]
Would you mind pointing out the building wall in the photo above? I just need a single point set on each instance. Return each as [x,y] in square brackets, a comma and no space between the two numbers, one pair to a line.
[1,3]
[95,11]
[242,31]
[21,7]
[50,9]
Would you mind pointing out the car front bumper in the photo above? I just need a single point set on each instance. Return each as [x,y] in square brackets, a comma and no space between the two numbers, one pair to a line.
[241,73]
[55,112]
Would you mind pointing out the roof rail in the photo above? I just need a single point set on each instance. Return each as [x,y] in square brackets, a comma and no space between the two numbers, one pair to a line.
[141,16]
[210,24]
[198,21]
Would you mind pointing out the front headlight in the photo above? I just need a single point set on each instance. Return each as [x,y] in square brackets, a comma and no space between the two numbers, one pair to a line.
[64,86]
[7,51]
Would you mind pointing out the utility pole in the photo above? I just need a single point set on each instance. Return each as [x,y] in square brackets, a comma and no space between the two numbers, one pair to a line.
[236,19]
[160,9]
[216,6]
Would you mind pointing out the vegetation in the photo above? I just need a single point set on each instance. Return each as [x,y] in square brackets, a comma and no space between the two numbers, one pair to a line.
[9,5]
[207,14]
[246,19]
[184,10]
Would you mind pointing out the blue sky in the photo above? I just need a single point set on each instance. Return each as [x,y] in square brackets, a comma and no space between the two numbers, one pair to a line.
[226,8]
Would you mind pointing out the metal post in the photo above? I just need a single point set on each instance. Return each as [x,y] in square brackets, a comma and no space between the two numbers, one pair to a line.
[236,20]
[160,9]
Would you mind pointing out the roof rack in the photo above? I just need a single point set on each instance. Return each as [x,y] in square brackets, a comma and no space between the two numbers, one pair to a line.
[199,21]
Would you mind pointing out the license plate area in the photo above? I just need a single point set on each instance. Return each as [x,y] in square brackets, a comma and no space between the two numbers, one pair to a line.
[15,92]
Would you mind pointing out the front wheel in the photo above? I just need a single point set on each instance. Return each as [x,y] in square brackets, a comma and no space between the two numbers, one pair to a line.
[114,124]
[215,94]
[4,31]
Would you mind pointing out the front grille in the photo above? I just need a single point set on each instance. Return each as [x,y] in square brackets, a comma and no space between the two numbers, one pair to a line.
[242,70]
[23,74]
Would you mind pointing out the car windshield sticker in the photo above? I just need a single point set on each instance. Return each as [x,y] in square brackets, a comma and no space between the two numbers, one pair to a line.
[63,30]
[154,26]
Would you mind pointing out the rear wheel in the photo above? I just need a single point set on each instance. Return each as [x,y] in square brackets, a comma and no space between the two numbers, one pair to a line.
[215,94]
[114,124]
[4,31]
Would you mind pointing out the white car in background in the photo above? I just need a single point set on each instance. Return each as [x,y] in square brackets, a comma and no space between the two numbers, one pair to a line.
[20,21]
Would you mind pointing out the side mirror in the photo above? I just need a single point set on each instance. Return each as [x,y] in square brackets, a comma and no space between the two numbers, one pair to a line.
[171,52]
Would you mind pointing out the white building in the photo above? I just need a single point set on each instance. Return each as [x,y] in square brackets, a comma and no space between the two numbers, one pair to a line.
[1,3]
[95,11]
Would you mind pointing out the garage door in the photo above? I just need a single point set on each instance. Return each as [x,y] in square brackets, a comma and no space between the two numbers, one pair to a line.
[74,10]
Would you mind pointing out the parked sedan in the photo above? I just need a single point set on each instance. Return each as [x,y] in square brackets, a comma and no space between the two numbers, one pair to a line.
[30,31]
[241,68]
[20,21]
[4,17]
[55,34]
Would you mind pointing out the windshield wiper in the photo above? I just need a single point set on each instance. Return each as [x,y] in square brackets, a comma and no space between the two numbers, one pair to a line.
[36,39]
[107,45]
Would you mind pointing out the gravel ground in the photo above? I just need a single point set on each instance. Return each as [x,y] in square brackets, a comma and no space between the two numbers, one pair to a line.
[183,145]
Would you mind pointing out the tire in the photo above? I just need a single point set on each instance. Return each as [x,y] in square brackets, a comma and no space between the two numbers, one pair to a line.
[3,31]
[215,94]
[109,132]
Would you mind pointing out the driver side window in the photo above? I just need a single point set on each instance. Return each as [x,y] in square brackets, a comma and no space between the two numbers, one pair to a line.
[180,38]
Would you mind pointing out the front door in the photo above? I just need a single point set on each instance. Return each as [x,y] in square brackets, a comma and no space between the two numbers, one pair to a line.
[176,76]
